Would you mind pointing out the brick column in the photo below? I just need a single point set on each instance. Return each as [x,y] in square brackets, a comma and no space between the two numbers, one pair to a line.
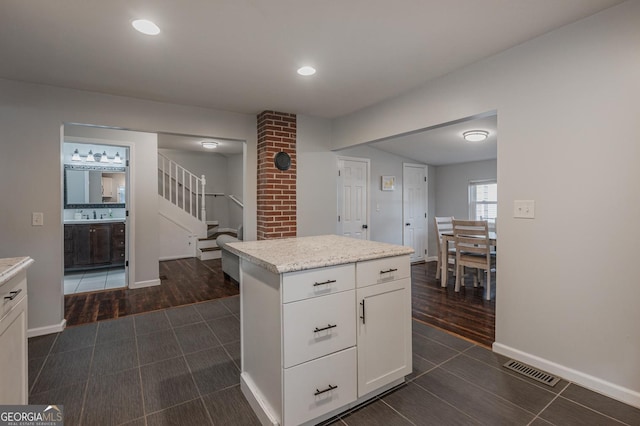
[276,210]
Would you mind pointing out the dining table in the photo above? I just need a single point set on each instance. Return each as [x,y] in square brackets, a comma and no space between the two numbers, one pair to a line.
[444,252]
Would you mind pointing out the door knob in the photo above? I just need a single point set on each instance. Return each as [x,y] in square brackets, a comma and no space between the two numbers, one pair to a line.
[407,224]
[365,226]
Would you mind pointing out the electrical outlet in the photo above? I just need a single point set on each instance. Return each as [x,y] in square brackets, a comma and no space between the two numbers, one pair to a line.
[524,209]
[37,219]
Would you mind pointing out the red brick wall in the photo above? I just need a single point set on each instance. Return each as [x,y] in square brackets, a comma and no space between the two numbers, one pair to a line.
[276,208]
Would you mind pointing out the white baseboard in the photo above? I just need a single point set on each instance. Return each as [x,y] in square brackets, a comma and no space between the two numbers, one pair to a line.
[431,259]
[49,329]
[183,256]
[142,284]
[596,384]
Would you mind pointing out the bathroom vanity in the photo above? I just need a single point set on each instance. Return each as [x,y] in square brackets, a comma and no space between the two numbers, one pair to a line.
[326,324]
[13,330]
[94,243]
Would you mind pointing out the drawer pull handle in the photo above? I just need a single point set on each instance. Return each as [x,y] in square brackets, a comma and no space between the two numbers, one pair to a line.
[388,270]
[13,294]
[329,326]
[324,282]
[330,388]
[362,316]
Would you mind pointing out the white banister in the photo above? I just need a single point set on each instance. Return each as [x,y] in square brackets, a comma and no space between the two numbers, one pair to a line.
[192,187]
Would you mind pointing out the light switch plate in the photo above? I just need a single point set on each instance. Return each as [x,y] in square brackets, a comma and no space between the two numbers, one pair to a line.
[524,209]
[37,219]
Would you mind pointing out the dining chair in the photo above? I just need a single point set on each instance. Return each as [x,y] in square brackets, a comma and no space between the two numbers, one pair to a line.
[473,250]
[444,225]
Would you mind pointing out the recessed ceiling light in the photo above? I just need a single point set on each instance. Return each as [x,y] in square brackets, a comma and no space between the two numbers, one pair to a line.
[146,27]
[209,144]
[475,135]
[306,70]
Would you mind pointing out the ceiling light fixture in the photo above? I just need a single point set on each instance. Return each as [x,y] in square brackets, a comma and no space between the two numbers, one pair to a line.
[475,135]
[146,27]
[209,144]
[306,70]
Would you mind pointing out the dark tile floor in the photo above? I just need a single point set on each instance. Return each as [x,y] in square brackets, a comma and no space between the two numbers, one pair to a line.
[180,366]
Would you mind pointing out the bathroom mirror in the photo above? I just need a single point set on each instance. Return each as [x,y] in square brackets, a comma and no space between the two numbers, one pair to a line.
[94,187]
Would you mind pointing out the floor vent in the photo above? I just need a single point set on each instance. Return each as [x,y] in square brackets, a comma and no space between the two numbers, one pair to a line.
[532,373]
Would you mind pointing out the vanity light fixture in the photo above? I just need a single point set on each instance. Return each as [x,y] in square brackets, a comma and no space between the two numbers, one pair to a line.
[306,70]
[76,156]
[90,156]
[146,27]
[475,135]
[117,158]
[209,144]
[104,158]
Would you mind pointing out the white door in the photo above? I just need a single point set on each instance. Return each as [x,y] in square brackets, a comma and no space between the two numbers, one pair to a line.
[353,191]
[414,212]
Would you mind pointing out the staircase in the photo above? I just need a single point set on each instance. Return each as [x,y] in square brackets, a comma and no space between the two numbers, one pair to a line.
[182,212]
[207,247]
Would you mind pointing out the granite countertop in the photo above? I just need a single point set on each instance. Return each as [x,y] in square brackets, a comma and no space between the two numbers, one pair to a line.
[10,266]
[297,254]
[90,221]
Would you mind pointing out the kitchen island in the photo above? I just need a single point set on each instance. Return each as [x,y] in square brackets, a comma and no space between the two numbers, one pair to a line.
[326,324]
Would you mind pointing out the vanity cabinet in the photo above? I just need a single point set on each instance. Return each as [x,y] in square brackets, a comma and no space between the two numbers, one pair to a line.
[319,341]
[94,245]
[13,332]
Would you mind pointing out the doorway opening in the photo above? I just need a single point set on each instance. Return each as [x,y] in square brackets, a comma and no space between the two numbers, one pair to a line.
[95,215]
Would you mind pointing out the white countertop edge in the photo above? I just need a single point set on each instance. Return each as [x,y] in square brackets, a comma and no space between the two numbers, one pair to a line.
[90,221]
[11,266]
[385,250]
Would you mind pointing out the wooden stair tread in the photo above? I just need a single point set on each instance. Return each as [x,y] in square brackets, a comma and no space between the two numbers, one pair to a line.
[210,249]
[217,234]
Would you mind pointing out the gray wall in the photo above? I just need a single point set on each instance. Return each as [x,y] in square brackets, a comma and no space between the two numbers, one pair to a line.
[567,105]
[235,179]
[452,186]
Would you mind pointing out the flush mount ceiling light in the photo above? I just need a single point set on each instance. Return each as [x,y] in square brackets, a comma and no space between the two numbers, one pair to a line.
[146,27]
[209,144]
[306,70]
[475,135]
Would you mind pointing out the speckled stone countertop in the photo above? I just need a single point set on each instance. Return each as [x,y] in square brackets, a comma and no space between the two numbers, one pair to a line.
[297,254]
[10,266]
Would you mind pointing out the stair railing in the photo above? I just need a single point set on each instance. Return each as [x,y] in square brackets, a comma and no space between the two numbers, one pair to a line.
[176,181]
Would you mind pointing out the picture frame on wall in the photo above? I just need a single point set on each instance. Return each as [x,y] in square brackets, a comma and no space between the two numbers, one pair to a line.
[388,183]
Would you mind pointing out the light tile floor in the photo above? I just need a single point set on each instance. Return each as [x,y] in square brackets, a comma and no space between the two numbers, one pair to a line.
[181,366]
[94,280]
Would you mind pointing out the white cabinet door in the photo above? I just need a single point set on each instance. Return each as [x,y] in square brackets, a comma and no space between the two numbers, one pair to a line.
[384,334]
[13,354]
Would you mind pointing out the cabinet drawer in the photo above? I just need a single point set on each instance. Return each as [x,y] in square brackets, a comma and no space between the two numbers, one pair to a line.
[317,282]
[12,293]
[382,270]
[319,386]
[333,316]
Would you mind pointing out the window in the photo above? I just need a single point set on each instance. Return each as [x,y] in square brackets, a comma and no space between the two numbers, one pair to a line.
[483,200]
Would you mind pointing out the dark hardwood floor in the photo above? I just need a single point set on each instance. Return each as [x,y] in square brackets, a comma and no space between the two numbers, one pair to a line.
[466,314]
[184,281]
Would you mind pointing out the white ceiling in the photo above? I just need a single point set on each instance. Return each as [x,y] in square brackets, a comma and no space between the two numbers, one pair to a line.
[241,55]
[194,143]
[445,145]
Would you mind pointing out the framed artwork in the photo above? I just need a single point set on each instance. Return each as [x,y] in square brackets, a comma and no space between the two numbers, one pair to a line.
[388,183]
